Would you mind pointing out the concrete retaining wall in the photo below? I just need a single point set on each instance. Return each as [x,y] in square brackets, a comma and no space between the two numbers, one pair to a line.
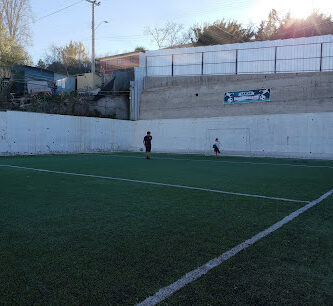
[34,133]
[285,135]
[308,135]
[116,106]
[202,96]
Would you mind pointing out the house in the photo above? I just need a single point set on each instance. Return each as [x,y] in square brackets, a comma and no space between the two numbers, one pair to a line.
[109,64]
[31,79]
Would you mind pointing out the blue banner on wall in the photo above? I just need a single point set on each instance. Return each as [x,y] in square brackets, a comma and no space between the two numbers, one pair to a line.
[246,96]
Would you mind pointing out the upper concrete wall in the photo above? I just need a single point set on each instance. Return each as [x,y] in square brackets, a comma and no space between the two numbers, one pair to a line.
[202,96]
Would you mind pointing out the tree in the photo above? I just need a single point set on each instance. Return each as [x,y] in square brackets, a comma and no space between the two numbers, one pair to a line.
[41,64]
[169,35]
[11,53]
[277,27]
[221,32]
[70,59]
[313,25]
[16,16]
[267,29]
[140,49]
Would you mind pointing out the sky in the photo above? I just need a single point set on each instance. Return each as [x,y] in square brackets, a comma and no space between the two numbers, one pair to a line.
[128,19]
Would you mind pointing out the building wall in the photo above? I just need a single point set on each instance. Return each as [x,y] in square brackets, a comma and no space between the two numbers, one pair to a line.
[65,83]
[24,74]
[203,96]
[112,64]
[283,135]
[88,81]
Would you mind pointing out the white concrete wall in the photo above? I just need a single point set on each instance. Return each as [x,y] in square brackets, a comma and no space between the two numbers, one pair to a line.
[34,133]
[282,135]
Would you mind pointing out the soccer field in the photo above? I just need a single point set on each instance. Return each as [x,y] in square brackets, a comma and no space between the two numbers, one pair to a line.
[118,229]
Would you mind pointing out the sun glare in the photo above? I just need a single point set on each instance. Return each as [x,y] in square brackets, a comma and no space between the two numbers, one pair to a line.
[297,8]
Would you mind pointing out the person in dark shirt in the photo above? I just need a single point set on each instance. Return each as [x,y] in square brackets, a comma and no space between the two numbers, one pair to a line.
[147,143]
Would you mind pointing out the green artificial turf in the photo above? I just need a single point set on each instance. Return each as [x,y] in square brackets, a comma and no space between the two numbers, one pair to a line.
[292,266]
[83,240]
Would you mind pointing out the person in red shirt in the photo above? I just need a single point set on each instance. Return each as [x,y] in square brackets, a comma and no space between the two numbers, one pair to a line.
[147,142]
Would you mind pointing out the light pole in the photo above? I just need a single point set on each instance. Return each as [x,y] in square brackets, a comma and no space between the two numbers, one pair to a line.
[105,21]
[94,3]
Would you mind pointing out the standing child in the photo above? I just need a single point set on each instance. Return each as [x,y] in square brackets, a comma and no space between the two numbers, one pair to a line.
[147,142]
[217,147]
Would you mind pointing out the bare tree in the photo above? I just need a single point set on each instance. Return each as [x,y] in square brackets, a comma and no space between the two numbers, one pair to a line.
[169,35]
[1,12]
[16,17]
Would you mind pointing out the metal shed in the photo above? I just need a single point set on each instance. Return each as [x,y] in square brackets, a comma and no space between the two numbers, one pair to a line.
[24,74]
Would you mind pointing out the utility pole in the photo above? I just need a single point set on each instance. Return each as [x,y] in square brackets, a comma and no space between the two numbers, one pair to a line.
[94,3]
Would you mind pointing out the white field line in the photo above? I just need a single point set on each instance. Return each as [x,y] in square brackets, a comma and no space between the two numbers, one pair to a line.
[192,276]
[211,161]
[156,183]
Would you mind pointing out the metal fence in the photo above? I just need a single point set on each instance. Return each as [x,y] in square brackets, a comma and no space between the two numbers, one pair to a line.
[306,57]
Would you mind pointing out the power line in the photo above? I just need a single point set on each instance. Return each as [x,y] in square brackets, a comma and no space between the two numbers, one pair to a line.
[60,10]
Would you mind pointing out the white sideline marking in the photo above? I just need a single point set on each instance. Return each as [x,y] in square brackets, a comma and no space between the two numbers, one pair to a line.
[156,183]
[212,161]
[190,277]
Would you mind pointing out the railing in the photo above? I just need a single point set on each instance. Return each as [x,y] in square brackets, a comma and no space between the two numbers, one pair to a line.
[312,57]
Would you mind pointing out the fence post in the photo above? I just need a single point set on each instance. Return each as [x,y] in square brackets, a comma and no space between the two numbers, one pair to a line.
[172,65]
[132,99]
[275,59]
[321,57]
[202,63]
[236,61]
[146,65]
